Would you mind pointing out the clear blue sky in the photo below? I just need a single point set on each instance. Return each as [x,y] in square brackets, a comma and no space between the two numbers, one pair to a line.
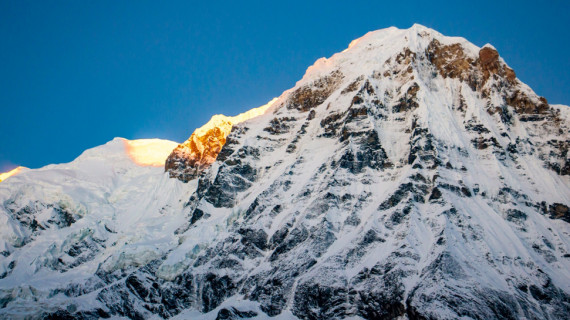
[75,74]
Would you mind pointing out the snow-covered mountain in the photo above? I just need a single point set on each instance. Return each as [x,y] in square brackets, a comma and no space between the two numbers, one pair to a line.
[410,176]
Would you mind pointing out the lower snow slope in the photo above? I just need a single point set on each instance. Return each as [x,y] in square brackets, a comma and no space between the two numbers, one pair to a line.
[63,223]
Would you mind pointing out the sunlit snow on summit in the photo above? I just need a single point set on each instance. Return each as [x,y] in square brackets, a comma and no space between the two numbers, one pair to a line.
[149,152]
[6,175]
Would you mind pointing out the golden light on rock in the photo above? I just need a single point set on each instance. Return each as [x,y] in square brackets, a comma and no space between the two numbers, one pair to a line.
[206,142]
[6,175]
[149,152]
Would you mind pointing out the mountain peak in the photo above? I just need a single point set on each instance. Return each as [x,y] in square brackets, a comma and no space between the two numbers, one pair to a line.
[375,47]
[408,65]
[409,176]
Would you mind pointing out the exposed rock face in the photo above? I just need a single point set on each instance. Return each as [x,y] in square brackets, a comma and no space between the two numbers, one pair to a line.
[311,95]
[412,175]
[560,211]
[450,60]
[490,64]
[197,153]
[189,159]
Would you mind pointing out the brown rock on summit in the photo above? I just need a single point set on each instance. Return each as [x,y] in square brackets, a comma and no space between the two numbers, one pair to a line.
[450,60]
[489,58]
[197,153]
[490,64]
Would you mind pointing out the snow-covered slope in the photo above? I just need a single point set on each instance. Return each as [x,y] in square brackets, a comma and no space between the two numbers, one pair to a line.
[411,175]
[62,224]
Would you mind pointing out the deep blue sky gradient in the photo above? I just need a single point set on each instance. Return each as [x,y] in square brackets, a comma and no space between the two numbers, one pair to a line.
[75,74]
